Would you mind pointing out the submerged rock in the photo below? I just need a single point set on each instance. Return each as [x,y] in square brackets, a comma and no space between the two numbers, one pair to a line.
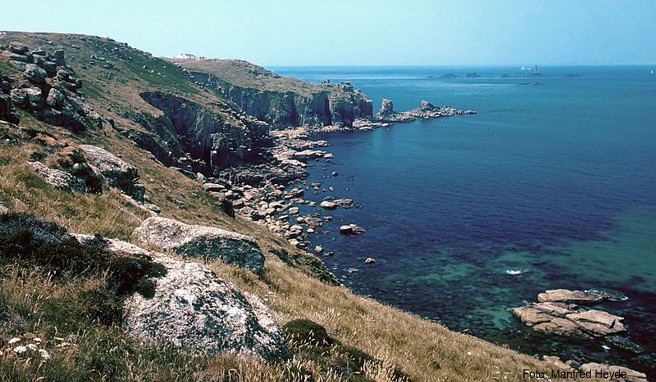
[208,243]
[577,296]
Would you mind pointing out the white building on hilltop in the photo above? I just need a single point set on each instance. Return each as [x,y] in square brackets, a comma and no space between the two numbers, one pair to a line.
[186,56]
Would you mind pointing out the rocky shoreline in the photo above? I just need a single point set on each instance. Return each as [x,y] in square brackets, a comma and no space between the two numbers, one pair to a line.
[259,192]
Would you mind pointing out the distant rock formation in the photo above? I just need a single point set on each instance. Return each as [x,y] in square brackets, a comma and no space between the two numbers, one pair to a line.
[281,102]
[425,110]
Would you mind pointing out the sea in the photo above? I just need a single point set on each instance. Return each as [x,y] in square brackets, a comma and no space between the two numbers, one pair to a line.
[551,185]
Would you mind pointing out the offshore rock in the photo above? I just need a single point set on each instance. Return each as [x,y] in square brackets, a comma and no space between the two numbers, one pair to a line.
[328,205]
[554,315]
[194,309]
[351,229]
[204,242]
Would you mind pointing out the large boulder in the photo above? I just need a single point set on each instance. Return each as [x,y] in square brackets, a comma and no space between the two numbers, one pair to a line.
[194,309]
[30,98]
[55,98]
[208,243]
[117,172]
[35,74]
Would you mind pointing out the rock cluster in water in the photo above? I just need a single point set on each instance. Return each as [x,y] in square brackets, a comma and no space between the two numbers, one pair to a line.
[426,110]
[557,312]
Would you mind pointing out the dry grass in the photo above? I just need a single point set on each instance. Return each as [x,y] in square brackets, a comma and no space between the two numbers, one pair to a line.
[108,214]
[424,350]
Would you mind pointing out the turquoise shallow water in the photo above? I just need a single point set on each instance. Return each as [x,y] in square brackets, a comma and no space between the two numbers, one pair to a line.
[555,180]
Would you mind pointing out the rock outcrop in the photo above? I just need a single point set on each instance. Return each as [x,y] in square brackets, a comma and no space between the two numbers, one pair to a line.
[577,296]
[201,139]
[117,172]
[388,115]
[203,242]
[193,309]
[351,229]
[47,88]
[426,110]
[556,314]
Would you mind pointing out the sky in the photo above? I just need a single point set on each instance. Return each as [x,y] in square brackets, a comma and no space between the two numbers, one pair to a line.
[361,32]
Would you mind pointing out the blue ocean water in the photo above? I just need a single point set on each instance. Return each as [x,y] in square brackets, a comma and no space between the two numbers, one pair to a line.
[554,177]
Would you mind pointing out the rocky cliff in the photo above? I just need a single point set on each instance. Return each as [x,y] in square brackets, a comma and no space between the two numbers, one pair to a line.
[280,101]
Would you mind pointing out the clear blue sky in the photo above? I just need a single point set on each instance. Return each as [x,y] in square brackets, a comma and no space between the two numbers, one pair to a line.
[361,32]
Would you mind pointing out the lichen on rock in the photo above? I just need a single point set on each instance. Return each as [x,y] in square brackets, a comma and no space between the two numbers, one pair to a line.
[203,242]
[194,309]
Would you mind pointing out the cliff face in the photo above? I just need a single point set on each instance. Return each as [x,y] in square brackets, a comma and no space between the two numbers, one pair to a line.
[279,101]
[280,109]
[205,136]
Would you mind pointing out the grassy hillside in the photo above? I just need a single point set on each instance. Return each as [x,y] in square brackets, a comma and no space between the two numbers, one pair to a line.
[246,75]
[34,303]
